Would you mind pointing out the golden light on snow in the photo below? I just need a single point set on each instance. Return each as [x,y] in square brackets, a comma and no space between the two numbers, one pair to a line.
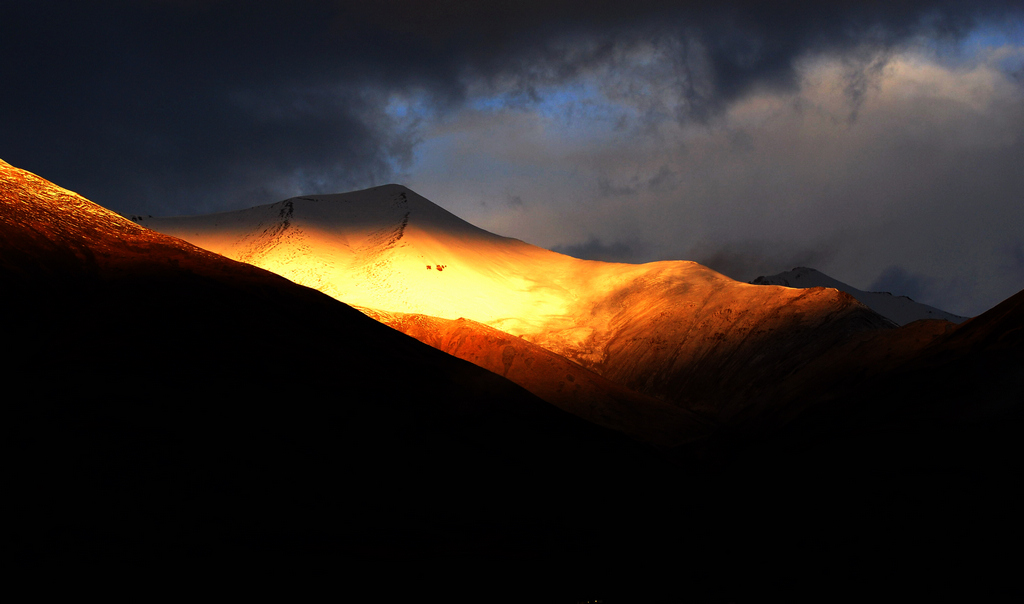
[389,249]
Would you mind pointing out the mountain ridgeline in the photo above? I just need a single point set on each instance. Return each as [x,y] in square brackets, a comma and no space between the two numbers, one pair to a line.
[675,331]
[898,309]
[191,392]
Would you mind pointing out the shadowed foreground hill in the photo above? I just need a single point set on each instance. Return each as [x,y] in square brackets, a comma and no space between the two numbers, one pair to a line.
[913,463]
[672,330]
[173,401]
[561,382]
[167,401]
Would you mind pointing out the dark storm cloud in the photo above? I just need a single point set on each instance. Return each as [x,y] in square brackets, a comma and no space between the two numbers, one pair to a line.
[748,43]
[664,180]
[162,106]
[186,106]
[596,249]
[189,106]
[1013,263]
[751,259]
[900,280]
[606,188]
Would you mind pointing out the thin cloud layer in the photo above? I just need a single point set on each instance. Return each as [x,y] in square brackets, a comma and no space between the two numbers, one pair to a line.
[920,169]
[857,135]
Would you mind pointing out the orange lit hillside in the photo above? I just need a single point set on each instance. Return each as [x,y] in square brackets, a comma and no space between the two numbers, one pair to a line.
[657,328]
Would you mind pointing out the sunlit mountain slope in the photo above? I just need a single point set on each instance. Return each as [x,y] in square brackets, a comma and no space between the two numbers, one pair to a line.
[163,400]
[658,328]
[898,309]
[390,248]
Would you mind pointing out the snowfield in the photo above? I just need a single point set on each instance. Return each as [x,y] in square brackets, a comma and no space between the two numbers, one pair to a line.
[656,328]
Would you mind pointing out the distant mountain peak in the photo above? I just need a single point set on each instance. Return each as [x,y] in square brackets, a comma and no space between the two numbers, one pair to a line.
[898,309]
[654,327]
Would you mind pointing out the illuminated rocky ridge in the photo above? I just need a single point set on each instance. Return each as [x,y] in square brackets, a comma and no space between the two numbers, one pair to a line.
[181,404]
[672,330]
[167,401]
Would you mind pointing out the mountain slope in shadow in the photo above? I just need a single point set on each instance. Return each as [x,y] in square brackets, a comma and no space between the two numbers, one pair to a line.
[676,331]
[561,382]
[166,400]
[901,310]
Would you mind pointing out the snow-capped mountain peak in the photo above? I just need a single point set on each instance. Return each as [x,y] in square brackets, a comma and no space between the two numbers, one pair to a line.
[898,309]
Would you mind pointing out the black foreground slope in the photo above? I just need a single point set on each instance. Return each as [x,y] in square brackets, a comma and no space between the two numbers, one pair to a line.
[907,480]
[165,401]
